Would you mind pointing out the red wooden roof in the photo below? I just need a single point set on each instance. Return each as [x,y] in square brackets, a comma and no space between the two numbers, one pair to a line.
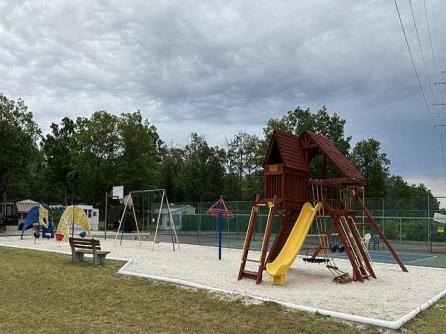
[290,149]
[338,159]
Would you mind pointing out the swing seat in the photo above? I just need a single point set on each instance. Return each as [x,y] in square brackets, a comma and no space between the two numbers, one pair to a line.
[316,260]
[332,267]
[343,278]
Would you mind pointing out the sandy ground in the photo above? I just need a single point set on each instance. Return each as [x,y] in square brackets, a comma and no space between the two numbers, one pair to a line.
[389,297]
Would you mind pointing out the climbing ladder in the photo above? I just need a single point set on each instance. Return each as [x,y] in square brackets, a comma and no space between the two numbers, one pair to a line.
[354,247]
[257,275]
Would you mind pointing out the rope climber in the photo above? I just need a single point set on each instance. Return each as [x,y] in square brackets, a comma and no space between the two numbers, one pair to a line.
[339,276]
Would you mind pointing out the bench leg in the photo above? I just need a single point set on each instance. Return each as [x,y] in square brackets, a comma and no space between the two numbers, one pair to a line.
[80,257]
[99,259]
[96,259]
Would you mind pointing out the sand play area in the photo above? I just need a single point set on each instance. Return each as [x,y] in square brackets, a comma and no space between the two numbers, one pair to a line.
[388,301]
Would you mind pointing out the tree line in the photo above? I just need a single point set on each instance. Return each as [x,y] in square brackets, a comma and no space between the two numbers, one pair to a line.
[81,159]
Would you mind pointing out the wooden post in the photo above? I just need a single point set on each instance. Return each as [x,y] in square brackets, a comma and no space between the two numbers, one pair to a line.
[120,222]
[358,241]
[378,230]
[266,237]
[357,275]
[172,223]
[158,220]
[136,221]
[248,237]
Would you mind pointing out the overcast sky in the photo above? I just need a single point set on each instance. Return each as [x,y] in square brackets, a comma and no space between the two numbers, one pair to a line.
[217,67]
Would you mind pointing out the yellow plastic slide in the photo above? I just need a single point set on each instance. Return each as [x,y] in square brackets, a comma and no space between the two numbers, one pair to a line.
[279,267]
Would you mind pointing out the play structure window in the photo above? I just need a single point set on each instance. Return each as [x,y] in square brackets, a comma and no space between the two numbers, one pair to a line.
[88,213]
[275,157]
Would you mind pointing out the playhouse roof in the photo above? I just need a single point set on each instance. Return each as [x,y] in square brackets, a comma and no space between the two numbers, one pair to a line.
[327,148]
[290,150]
[25,205]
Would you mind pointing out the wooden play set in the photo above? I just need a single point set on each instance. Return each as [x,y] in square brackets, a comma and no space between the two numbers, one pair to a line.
[288,186]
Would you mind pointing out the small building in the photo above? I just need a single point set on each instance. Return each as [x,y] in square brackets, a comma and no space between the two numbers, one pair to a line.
[22,210]
[177,213]
[92,215]
[8,215]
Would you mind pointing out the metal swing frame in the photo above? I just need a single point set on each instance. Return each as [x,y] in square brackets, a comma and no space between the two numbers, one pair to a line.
[129,203]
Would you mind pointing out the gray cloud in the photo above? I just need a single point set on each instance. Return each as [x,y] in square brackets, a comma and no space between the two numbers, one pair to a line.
[222,66]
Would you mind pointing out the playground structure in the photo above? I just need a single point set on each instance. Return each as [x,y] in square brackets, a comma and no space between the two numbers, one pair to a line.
[288,191]
[219,210]
[73,215]
[129,204]
[38,216]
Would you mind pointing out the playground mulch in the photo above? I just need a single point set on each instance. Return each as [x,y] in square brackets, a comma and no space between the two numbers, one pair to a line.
[45,293]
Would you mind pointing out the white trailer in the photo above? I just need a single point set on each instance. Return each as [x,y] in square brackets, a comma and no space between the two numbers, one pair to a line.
[92,215]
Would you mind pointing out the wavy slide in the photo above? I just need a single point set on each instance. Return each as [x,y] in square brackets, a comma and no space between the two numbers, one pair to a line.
[279,267]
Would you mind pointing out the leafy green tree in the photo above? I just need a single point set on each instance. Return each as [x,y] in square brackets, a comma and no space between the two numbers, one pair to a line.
[298,120]
[94,157]
[138,164]
[203,171]
[89,156]
[19,154]
[244,167]
[372,164]
[57,149]
[172,172]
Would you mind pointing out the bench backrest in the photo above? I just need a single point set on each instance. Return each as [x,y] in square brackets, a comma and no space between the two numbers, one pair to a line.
[85,243]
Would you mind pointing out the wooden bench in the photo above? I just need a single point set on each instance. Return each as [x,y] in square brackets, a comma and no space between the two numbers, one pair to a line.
[80,246]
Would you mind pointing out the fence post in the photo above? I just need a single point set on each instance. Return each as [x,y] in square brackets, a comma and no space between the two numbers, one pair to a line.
[199,222]
[401,234]
[229,233]
[429,222]
[384,220]
[236,224]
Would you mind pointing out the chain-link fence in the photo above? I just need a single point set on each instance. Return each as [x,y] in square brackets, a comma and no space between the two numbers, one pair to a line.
[407,222]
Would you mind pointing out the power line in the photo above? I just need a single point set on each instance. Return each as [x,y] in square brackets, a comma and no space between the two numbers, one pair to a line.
[430,37]
[414,67]
[440,133]
[421,50]
[434,58]
[441,91]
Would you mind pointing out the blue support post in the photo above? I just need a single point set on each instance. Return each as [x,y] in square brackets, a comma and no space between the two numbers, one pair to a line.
[219,210]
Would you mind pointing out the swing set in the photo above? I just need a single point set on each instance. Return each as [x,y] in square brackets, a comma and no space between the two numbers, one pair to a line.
[129,204]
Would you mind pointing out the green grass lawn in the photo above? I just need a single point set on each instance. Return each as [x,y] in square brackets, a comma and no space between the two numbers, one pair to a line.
[45,293]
